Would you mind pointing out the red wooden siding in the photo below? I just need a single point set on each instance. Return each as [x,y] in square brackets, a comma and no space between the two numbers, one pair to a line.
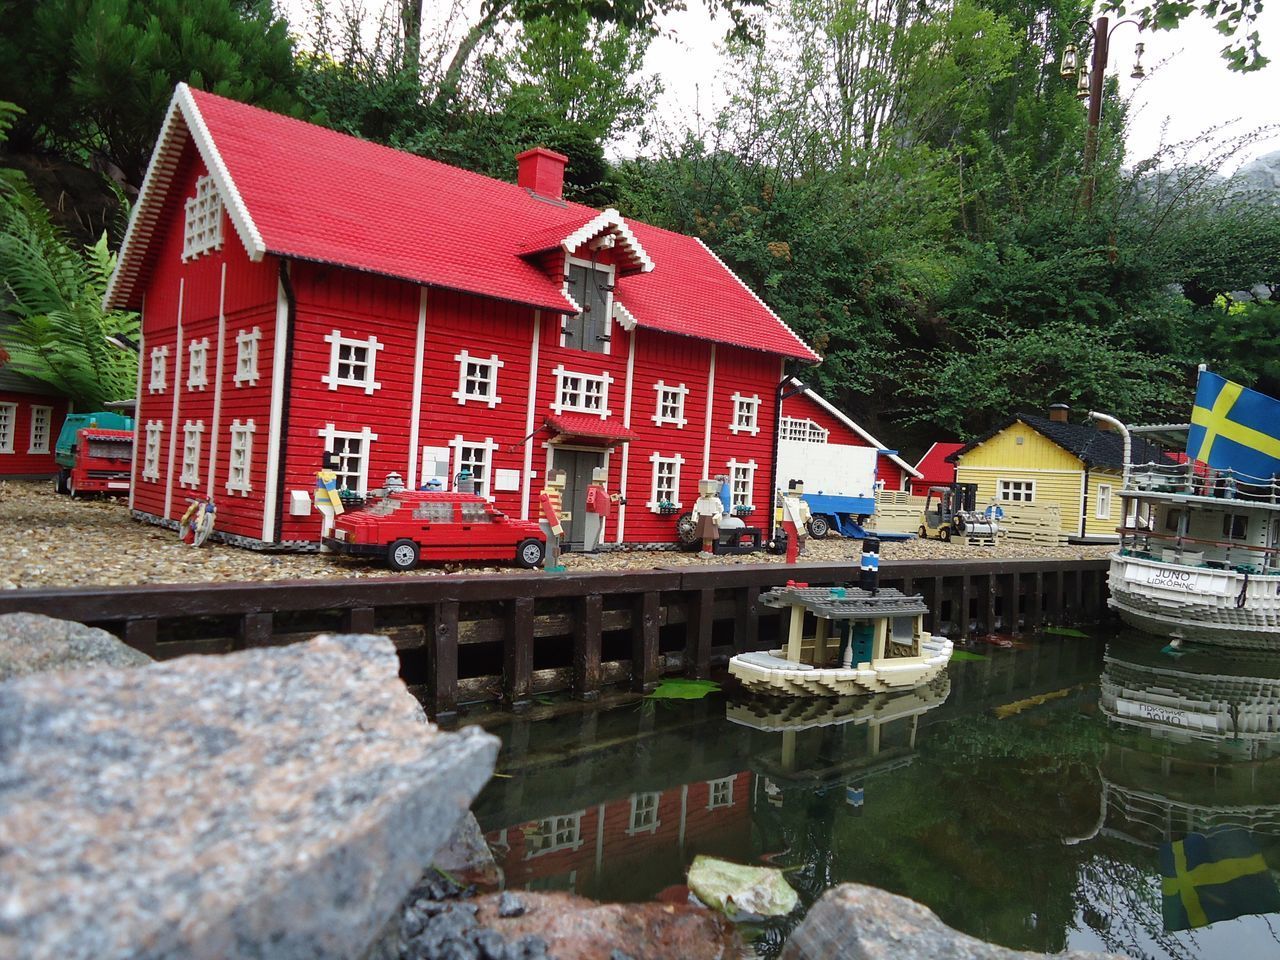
[937,471]
[248,300]
[803,407]
[22,463]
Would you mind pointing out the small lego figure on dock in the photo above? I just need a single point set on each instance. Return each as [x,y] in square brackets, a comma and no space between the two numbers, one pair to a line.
[394,483]
[550,519]
[328,502]
[795,517]
[707,511]
[599,507]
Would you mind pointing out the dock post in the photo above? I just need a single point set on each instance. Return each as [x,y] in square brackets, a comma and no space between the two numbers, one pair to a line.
[966,587]
[586,647]
[442,670]
[517,654]
[644,642]
[993,591]
[1035,606]
[141,635]
[697,651]
[935,604]
[255,630]
[746,621]
[360,620]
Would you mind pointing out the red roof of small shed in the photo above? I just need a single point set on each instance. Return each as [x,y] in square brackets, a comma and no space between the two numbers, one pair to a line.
[301,191]
[933,465]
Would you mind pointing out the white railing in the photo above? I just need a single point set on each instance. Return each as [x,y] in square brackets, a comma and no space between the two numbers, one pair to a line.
[1198,480]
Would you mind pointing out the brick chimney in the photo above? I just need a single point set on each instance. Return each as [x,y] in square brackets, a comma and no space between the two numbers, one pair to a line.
[1058,412]
[542,171]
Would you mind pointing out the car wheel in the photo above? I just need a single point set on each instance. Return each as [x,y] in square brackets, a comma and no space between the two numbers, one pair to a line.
[687,531]
[71,488]
[924,532]
[944,534]
[819,527]
[402,555]
[60,481]
[530,553]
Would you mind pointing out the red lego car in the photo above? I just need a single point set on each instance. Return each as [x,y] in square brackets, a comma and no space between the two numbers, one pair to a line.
[406,527]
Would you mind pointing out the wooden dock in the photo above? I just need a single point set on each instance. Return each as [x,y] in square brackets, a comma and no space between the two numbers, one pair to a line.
[512,637]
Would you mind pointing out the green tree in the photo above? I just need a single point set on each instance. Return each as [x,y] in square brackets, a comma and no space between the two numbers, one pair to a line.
[95,76]
[55,328]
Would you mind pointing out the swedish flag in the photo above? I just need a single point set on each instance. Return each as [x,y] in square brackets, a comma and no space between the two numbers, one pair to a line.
[1219,875]
[1235,428]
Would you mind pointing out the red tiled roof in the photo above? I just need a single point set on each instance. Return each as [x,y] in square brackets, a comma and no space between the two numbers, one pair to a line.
[303,191]
[588,427]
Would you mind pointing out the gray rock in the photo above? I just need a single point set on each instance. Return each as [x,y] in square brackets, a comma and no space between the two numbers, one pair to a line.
[34,643]
[855,922]
[278,802]
[509,905]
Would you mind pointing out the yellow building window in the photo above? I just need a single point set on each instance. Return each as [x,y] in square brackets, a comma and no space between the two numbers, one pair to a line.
[1016,491]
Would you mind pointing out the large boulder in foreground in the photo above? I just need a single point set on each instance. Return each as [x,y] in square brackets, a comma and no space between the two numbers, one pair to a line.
[33,643]
[271,803]
[855,922]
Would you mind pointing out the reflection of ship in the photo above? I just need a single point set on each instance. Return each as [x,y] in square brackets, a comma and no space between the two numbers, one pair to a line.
[795,715]
[1234,701]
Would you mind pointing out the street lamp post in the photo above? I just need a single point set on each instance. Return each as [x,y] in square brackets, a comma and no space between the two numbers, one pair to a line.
[1090,80]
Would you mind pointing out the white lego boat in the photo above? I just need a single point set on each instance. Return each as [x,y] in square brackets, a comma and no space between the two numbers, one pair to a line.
[862,642]
[1199,554]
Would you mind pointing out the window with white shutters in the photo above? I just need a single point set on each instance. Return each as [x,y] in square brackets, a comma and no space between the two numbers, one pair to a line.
[151,454]
[665,488]
[746,411]
[192,433]
[41,419]
[247,356]
[203,228]
[352,362]
[159,365]
[669,407]
[477,379]
[8,422]
[581,392]
[198,365]
[240,458]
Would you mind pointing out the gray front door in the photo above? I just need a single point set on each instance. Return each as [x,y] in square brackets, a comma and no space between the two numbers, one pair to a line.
[577,466]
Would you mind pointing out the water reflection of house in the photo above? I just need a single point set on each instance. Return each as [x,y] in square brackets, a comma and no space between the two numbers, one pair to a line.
[648,830]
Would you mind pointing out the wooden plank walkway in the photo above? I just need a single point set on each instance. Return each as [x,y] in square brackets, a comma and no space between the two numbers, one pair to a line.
[514,636]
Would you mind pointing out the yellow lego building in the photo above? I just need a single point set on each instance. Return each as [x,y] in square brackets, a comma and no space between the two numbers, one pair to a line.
[1049,460]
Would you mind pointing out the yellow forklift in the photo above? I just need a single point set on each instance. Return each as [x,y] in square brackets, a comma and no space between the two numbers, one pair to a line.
[952,511]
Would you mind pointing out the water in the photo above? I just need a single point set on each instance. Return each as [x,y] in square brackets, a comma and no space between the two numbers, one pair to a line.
[1026,797]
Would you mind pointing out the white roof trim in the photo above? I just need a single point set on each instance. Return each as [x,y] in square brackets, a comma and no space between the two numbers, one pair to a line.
[843,418]
[624,316]
[155,186]
[610,219]
[813,353]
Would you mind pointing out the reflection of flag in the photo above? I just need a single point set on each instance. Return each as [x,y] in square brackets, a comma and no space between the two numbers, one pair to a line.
[1215,876]
[1235,428]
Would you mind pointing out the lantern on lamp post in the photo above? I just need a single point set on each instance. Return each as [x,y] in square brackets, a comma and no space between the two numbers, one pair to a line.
[1089,81]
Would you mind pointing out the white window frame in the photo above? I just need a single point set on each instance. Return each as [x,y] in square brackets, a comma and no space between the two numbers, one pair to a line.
[486,372]
[724,783]
[804,429]
[658,460]
[198,364]
[240,475]
[8,426]
[1103,511]
[456,462]
[745,408]
[551,828]
[202,228]
[1006,488]
[41,416]
[151,456]
[668,395]
[644,813]
[747,470]
[192,448]
[159,369]
[329,433]
[577,402]
[247,356]
[369,382]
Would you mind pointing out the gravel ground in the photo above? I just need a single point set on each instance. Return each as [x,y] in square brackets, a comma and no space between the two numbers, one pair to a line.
[53,541]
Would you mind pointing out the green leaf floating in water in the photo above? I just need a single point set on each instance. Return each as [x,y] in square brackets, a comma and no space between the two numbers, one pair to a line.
[740,891]
[966,655]
[1065,632]
[677,689]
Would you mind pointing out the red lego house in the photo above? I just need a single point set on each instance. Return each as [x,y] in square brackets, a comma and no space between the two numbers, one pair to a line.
[30,421]
[934,470]
[302,290]
[808,416]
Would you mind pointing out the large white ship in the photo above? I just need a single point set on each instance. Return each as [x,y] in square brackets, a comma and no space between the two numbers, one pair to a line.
[1199,554]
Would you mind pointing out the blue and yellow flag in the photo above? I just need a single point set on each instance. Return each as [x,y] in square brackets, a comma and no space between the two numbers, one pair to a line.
[1235,428]
[1219,875]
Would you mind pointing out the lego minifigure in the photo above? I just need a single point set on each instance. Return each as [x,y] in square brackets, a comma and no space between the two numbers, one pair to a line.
[551,517]
[599,506]
[707,511]
[394,483]
[327,499]
[795,516]
[197,523]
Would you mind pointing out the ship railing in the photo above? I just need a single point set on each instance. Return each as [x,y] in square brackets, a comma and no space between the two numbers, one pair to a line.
[1196,479]
[1189,551]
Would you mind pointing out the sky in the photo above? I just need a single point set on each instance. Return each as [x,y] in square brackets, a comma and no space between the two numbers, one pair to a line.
[1188,86]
